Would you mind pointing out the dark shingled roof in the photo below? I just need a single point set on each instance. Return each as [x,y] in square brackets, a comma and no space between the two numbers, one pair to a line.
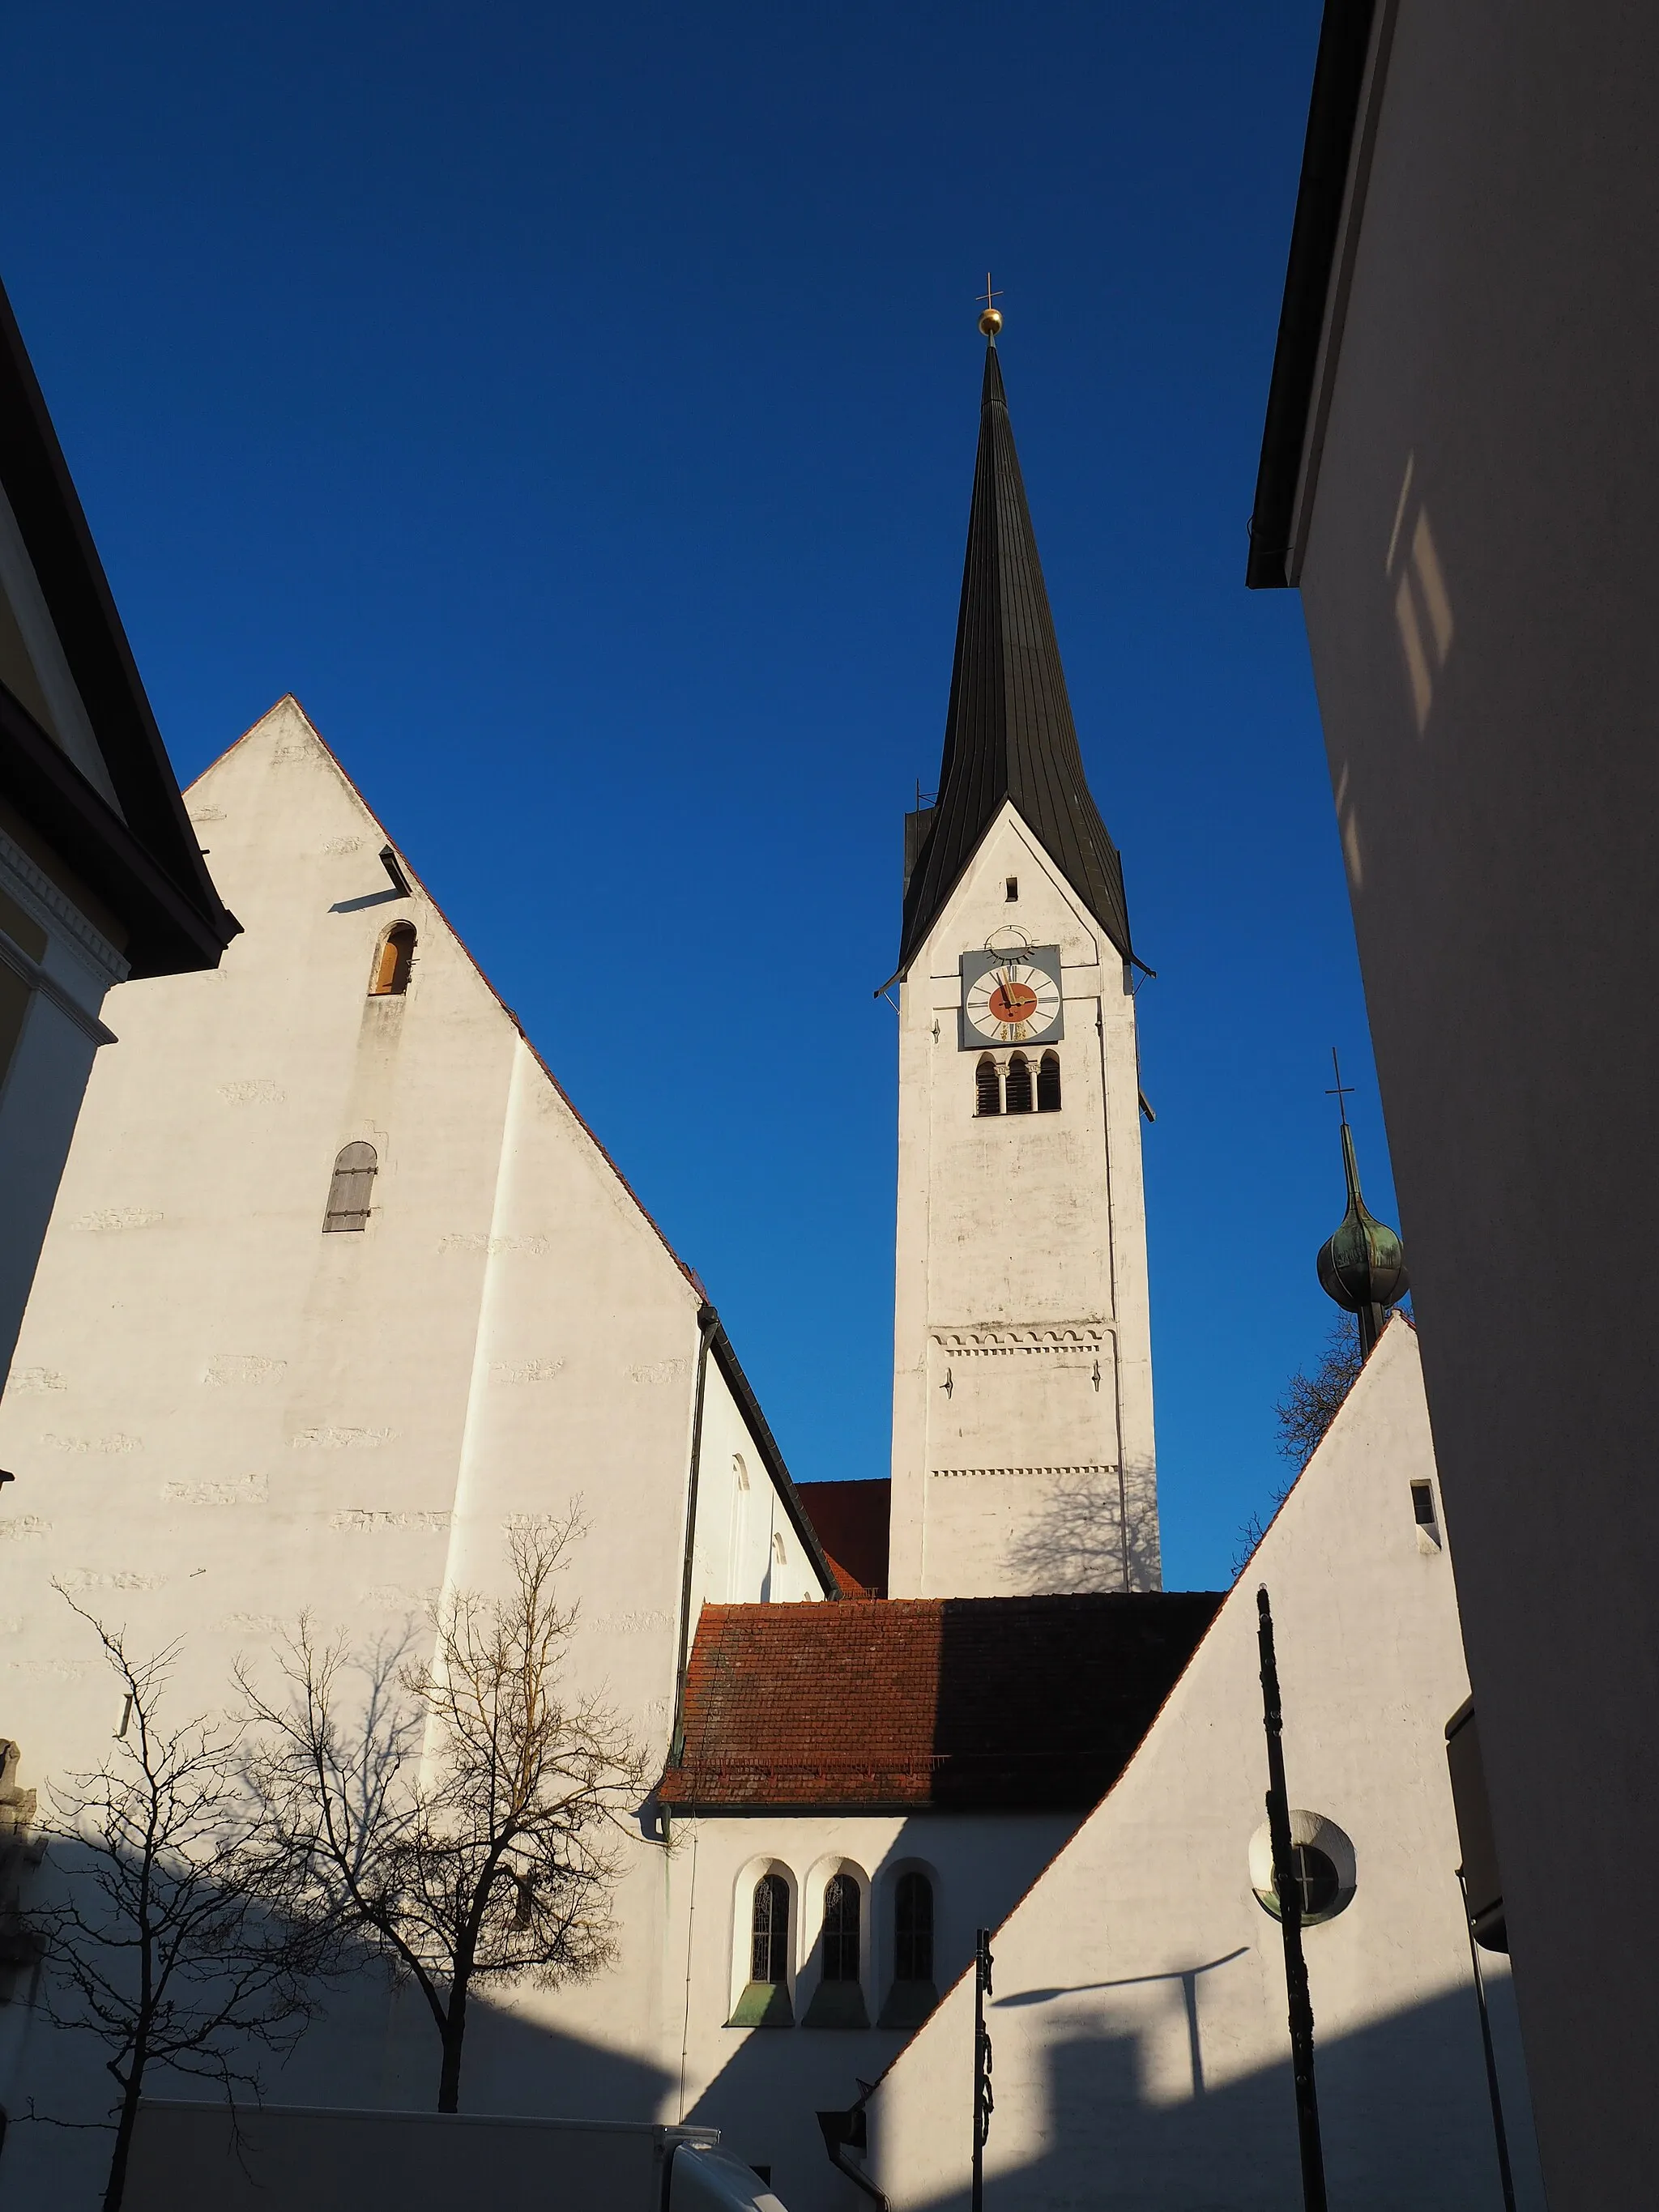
[951,1705]
[851,1519]
[1009,732]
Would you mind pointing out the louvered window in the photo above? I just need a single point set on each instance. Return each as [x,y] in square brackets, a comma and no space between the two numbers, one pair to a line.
[769,1955]
[349,1194]
[392,962]
[1020,1085]
[913,1929]
[840,1929]
[990,1084]
[1049,1084]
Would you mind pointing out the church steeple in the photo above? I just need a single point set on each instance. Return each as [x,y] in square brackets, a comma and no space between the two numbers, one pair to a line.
[1009,732]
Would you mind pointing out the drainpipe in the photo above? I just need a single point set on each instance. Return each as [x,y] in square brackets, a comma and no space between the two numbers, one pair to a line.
[708,1321]
[842,2130]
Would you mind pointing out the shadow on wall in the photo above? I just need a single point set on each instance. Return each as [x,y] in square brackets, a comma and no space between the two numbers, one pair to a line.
[1403,2108]
[373,2046]
[1074,1541]
[766,2097]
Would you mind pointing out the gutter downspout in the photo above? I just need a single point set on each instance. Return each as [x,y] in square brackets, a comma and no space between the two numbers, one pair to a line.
[841,2130]
[708,1321]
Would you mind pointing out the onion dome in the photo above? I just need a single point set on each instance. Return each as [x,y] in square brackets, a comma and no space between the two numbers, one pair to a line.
[1362,1266]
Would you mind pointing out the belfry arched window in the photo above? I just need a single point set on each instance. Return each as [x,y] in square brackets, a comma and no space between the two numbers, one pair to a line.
[350,1193]
[1049,1084]
[988,1085]
[392,962]
[1018,1086]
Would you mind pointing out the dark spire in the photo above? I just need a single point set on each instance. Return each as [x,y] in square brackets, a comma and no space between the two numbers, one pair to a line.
[1362,1266]
[1009,732]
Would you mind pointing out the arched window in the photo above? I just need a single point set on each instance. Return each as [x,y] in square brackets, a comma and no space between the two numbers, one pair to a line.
[764,2000]
[769,1957]
[912,1995]
[913,1929]
[1020,1085]
[740,1472]
[1049,1084]
[779,1549]
[840,1929]
[350,1193]
[989,1087]
[391,963]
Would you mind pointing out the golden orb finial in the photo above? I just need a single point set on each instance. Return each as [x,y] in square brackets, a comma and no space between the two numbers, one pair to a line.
[990,321]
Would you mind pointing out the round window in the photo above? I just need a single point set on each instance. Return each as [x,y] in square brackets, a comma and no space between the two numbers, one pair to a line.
[1322,1863]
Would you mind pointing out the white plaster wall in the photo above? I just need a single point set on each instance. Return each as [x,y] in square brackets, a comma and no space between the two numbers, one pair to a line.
[747,1552]
[220,1417]
[1138,2010]
[41,1089]
[761,2087]
[1477,586]
[1022,1447]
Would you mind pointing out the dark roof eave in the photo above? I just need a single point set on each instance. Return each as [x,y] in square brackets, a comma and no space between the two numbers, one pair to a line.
[60,547]
[708,1808]
[1338,78]
[741,1388]
[169,933]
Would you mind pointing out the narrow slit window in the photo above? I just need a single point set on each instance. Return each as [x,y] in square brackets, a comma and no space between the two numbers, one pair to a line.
[840,1929]
[392,962]
[1020,1085]
[1049,1084]
[1423,1510]
[988,1086]
[913,1929]
[351,1190]
[1013,889]
[769,1957]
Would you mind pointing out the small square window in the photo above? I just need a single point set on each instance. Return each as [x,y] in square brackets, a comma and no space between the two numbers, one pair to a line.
[1011,886]
[1423,1510]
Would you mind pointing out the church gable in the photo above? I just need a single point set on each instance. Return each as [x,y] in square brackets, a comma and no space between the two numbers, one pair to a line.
[341,1281]
[1158,1886]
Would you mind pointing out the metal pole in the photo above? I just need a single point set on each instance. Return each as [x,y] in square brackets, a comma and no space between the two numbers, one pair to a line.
[983,2101]
[1289,1890]
[1505,2178]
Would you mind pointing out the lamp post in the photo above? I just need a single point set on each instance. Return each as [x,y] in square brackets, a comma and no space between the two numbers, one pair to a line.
[1288,1888]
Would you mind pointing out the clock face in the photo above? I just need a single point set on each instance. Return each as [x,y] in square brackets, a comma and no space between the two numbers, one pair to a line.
[1012,997]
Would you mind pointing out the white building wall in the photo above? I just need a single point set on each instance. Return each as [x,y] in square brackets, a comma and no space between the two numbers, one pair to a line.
[761,2087]
[1138,2010]
[58,966]
[1022,1447]
[220,1417]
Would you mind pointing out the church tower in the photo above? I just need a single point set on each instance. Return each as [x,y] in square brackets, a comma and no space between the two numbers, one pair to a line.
[1022,1457]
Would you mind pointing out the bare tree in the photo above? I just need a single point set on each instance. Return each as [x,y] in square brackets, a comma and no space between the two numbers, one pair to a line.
[166,1944]
[1312,1401]
[464,1819]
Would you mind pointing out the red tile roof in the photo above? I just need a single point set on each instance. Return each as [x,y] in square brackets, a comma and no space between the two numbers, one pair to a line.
[952,1704]
[851,1519]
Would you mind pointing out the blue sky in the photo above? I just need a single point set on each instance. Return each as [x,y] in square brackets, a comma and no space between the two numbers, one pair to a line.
[575,409]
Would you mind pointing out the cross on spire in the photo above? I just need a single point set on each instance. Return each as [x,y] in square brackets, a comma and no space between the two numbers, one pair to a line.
[988,299]
[1340,1090]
